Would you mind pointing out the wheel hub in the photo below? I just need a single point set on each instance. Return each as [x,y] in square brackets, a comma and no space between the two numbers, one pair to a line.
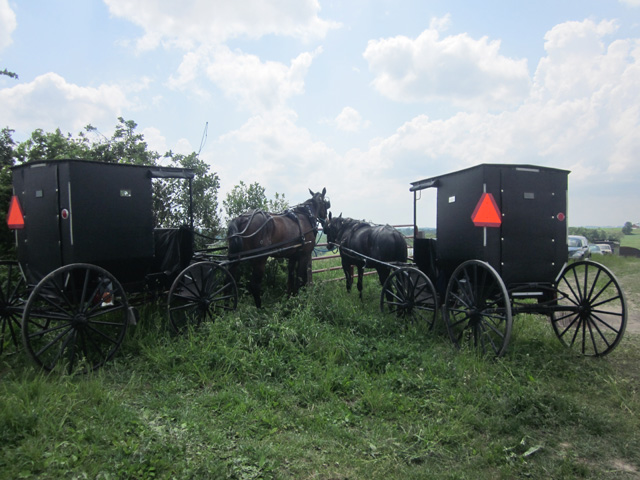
[80,320]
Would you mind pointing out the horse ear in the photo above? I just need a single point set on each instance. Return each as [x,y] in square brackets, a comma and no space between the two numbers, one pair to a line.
[311,192]
[324,190]
[340,216]
[330,217]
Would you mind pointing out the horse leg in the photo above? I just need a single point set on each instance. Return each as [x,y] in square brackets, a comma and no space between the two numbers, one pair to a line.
[257,273]
[383,274]
[348,274]
[291,275]
[303,271]
[233,271]
[360,275]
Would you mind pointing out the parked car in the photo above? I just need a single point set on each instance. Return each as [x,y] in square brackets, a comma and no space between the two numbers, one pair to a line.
[578,247]
[605,248]
[595,249]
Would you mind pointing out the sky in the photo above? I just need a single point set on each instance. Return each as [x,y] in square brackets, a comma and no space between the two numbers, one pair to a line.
[360,97]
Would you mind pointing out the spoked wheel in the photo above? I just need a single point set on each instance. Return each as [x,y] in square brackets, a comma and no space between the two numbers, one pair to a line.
[13,296]
[200,292]
[477,309]
[75,319]
[591,313]
[410,294]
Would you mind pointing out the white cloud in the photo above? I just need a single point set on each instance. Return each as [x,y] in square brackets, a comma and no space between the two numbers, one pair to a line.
[208,22]
[8,24]
[577,60]
[459,69]
[350,120]
[49,102]
[272,150]
[257,85]
[631,3]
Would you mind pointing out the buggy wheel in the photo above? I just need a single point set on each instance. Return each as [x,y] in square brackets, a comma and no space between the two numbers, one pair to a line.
[591,314]
[477,309]
[75,318]
[199,293]
[410,294]
[13,295]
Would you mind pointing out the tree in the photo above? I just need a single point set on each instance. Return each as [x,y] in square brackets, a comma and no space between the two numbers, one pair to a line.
[6,189]
[9,74]
[628,228]
[243,198]
[171,197]
[50,146]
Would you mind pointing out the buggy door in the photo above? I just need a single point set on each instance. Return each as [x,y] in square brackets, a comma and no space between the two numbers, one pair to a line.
[534,228]
[40,237]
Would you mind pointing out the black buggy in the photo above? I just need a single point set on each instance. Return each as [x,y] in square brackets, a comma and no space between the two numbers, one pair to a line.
[501,249]
[88,254]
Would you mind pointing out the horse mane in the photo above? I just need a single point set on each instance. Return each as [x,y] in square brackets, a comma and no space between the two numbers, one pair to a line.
[349,226]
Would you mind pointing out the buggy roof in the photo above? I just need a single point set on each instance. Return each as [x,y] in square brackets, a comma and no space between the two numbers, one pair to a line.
[154,171]
[434,181]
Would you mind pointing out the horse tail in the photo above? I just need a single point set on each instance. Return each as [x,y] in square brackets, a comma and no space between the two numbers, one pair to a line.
[395,244]
[401,246]
[233,237]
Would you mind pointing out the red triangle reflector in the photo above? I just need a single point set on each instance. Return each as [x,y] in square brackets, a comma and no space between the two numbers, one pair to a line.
[487,213]
[15,219]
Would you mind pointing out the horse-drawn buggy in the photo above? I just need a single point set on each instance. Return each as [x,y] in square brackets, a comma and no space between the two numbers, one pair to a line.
[500,250]
[89,254]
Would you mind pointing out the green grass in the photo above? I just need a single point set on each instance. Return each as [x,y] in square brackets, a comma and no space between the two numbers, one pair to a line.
[324,386]
[632,240]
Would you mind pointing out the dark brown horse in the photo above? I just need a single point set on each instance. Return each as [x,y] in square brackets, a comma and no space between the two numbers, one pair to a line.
[256,235]
[365,245]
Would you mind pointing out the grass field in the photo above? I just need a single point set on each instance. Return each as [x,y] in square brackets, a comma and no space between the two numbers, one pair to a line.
[632,240]
[324,386]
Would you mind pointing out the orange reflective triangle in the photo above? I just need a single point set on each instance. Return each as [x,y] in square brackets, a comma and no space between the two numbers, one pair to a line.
[15,219]
[487,213]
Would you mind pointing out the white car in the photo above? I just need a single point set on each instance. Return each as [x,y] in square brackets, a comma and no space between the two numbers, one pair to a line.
[605,248]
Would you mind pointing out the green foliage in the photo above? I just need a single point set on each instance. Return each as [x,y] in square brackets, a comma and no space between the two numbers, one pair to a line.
[49,146]
[8,73]
[171,197]
[125,146]
[6,190]
[245,197]
[628,228]
[325,386]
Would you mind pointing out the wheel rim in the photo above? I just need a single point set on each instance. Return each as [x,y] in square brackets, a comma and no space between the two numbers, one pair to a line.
[13,293]
[591,314]
[408,293]
[75,318]
[200,293]
[477,309]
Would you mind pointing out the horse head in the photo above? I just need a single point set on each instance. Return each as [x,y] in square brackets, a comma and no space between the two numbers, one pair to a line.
[332,228]
[319,204]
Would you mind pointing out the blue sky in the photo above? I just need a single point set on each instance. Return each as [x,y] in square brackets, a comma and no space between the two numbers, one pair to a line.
[360,97]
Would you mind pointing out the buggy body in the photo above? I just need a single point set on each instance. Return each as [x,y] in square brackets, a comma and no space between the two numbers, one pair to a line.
[511,216]
[500,250]
[78,211]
